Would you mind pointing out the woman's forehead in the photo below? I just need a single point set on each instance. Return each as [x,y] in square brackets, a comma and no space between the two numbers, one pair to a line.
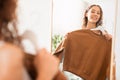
[95,8]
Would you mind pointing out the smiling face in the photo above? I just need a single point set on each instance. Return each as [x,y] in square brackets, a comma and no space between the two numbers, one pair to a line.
[93,15]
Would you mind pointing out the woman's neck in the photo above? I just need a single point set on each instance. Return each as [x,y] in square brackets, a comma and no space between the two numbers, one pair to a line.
[90,25]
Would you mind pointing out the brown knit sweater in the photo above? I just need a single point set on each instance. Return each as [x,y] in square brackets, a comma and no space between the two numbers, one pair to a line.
[86,54]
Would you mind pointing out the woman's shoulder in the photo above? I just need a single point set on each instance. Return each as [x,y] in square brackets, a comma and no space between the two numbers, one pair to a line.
[9,48]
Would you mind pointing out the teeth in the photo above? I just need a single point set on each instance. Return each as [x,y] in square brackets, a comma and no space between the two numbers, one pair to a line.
[94,17]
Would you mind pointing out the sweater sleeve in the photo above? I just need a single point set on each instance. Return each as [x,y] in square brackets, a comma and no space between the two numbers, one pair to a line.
[61,47]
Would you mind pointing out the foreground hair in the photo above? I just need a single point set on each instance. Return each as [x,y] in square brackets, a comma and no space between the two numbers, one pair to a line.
[8,21]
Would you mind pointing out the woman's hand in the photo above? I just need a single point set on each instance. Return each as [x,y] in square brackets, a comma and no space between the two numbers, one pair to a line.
[108,36]
[46,64]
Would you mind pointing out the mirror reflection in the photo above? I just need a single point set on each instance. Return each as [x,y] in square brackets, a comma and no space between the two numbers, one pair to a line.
[81,38]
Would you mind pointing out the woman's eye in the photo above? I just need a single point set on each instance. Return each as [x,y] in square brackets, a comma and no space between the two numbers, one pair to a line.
[98,13]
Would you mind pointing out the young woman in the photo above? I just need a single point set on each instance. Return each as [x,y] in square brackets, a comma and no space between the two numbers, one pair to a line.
[13,60]
[86,53]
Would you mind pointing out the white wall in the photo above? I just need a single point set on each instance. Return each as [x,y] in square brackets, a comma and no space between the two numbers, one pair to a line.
[35,15]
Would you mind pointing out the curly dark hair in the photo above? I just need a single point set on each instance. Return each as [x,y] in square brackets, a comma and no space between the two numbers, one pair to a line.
[85,20]
[8,20]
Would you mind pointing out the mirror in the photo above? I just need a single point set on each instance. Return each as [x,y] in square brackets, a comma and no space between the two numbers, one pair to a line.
[68,14]
[117,40]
